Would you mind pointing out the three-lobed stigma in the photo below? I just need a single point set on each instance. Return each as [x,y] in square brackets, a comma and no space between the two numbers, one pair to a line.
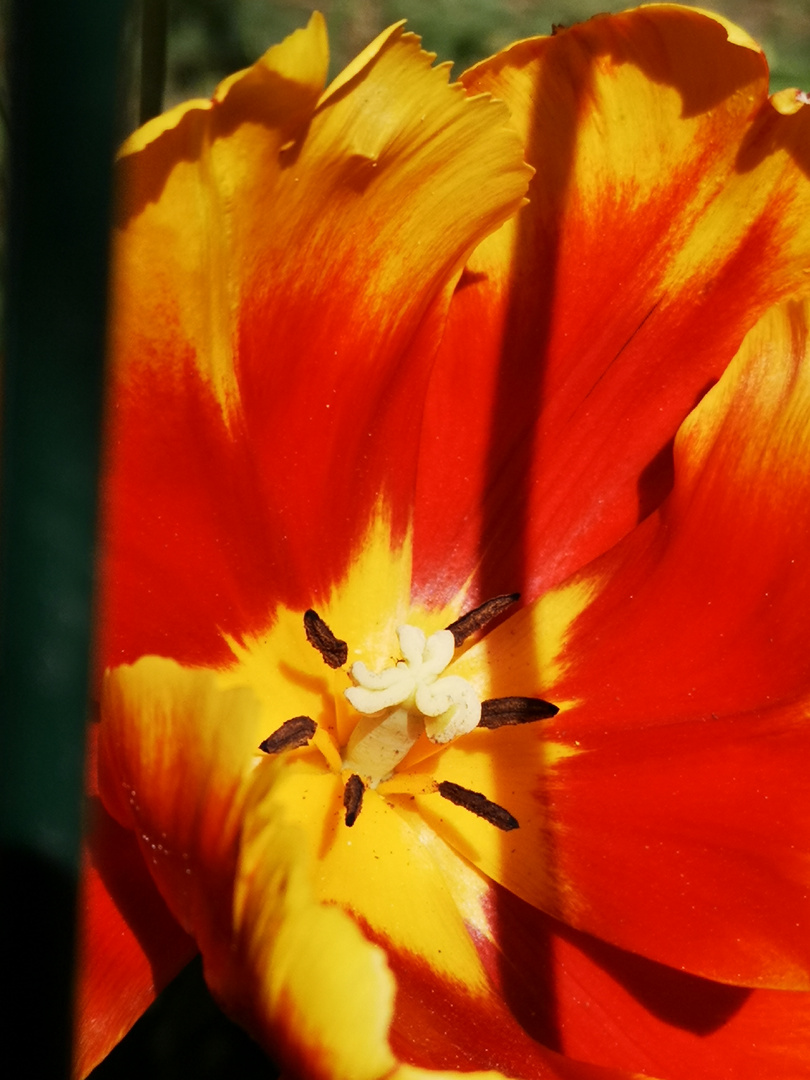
[400,702]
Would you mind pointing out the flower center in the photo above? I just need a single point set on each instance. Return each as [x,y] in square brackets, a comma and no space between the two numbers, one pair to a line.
[400,702]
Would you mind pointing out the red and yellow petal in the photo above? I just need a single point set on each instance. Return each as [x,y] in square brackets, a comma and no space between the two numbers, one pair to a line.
[305,979]
[670,208]
[175,755]
[345,951]
[129,945]
[667,803]
[704,609]
[177,747]
[281,276]
[686,843]
[354,948]
[604,1005]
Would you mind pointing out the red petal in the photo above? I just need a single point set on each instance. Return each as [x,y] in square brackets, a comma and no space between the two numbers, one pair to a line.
[604,1005]
[282,273]
[585,330]
[682,821]
[438,1026]
[130,947]
[687,842]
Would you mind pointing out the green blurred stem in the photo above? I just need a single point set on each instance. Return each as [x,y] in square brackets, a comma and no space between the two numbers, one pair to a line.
[62,110]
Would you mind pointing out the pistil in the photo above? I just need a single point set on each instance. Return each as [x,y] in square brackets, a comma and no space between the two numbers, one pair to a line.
[401,702]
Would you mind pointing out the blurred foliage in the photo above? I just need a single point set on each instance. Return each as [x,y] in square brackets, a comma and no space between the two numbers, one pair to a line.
[211,38]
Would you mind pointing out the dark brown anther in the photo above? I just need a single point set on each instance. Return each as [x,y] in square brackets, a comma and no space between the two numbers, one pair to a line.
[332,649]
[353,798]
[480,616]
[292,734]
[479,805]
[500,711]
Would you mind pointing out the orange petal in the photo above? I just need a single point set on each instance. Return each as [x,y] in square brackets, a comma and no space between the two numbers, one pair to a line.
[281,277]
[669,210]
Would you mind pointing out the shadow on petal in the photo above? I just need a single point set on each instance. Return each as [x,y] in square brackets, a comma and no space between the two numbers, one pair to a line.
[526,938]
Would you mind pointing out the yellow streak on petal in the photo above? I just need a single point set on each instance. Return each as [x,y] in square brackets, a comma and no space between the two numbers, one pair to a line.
[466,884]
[326,744]
[768,379]
[551,621]
[176,755]
[176,288]
[302,57]
[310,979]
[525,655]
[787,102]
[334,989]
[154,128]
[514,777]
[289,676]
[405,783]
[379,869]
[373,599]
[736,34]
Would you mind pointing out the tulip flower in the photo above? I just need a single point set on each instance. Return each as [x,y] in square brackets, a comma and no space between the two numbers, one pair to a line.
[455,590]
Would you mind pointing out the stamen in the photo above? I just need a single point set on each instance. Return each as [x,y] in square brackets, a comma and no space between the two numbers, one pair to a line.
[480,616]
[291,735]
[353,798]
[332,649]
[478,804]
[498,712]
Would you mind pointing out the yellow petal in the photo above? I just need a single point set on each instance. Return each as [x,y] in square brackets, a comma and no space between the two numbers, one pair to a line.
[379,869]
[175,754]
[306,980]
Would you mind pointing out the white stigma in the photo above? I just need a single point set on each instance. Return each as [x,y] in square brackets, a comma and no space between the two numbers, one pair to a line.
[402,701]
